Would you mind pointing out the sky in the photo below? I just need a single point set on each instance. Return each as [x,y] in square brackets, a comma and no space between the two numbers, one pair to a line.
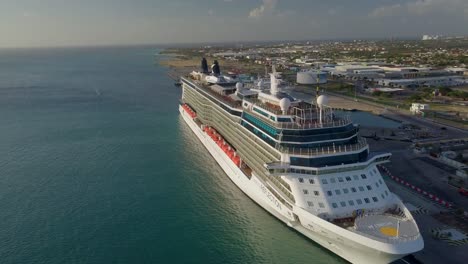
[31,23]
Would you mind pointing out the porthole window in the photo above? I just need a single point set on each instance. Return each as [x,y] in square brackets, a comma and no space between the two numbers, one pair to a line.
[305,191]
[353,189]
[351,203]
[348,178]
[334,205]
[345,190]
[321,205]
[329,193]
[343,204]
[359,201]
[338,192]
[324,181]
[311,181]
[366,200]
[375,199]
[301,180]
[369,187]
[363,176]
[310,203]
[316,193]
[340,179]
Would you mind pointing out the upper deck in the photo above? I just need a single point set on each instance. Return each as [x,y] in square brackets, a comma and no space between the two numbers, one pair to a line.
[212,94]
[300,116]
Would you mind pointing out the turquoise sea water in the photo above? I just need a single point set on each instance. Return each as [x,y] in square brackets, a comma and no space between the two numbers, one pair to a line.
[96,166]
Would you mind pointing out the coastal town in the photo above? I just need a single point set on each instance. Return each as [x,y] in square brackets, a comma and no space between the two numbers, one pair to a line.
[425,77]
[421,86]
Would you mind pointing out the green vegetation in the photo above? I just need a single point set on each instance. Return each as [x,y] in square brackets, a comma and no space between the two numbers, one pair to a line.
[414,98]
[382,95]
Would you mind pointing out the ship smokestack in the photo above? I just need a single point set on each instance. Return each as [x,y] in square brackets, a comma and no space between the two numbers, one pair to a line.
[215,68]
[204,66]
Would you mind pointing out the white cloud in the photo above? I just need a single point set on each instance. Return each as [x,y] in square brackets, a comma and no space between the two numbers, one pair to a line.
[268,7]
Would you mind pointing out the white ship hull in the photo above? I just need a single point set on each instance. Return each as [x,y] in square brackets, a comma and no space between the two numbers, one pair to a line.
[348,245]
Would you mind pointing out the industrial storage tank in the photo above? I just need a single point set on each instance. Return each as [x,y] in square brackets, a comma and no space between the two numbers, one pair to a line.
[311,77]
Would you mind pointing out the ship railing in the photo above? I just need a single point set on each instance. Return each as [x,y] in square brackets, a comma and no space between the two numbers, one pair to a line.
[309,124]
[314,124]
[329,150]
[391,240]
[269,108]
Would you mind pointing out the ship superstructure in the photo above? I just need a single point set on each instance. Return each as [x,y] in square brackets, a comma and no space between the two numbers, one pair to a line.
[303,164]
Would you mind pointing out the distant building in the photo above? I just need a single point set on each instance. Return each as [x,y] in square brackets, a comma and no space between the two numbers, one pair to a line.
[311,77]
[384,90]
[457,71]
[423,82]
[417,108]
[430,37]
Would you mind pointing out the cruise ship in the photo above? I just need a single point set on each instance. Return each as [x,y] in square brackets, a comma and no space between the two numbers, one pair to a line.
[302,163]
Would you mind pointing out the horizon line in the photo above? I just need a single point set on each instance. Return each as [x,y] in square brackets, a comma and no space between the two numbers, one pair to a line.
[208,42]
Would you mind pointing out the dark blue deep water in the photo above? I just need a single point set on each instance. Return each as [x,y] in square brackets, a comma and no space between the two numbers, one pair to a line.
[97,167]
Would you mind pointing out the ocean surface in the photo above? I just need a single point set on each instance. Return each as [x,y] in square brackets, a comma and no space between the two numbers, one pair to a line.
[96,166]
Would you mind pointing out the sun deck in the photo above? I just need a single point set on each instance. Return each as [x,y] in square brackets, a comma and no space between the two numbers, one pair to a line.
[227,100]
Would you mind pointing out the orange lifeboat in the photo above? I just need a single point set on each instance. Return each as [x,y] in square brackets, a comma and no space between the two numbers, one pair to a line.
[237,161]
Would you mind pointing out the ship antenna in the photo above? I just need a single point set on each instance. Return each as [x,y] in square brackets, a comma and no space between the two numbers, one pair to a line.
[317,90]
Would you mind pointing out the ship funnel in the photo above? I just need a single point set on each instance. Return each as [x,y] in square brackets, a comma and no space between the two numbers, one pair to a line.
[204,66]
[215,68]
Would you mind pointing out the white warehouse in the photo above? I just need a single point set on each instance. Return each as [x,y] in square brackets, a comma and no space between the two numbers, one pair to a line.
[311,77]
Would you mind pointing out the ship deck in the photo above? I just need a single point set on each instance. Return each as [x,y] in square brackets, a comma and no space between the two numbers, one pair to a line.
[220,97]
[306,115]
[387,228]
